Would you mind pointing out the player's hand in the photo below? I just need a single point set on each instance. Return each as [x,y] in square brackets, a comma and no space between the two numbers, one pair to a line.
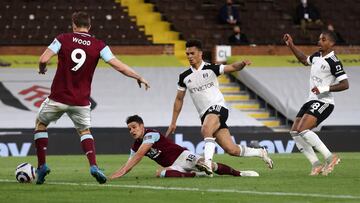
[143,81]
[170,130]
[245,62]
[42,70]
[315,90]
[287,39]
[117,174]
[320,89]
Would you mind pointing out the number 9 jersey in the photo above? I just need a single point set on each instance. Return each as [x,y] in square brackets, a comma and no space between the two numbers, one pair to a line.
[78,55]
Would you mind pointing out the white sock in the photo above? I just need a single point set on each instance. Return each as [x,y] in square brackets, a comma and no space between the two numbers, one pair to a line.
[209,150]
[314,140]
[249,151]
[304,147]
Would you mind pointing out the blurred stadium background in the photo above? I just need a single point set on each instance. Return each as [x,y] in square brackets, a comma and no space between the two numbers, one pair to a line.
[150,36]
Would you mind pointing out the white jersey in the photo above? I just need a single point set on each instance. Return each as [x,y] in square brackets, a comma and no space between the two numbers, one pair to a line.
[325,71]
[203,86]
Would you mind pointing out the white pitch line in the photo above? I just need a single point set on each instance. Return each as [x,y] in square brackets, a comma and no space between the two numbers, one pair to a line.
[150,187]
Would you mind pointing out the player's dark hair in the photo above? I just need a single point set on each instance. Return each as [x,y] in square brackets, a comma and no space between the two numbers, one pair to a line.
[134,118]
[194,43]
[81,19]
[330,34]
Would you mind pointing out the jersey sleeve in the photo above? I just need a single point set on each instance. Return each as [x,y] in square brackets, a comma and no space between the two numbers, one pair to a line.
[106,54]
[337,70]
[151,137]
[55,46]
[218,69]
[181,84]
[132,153]
[309,59]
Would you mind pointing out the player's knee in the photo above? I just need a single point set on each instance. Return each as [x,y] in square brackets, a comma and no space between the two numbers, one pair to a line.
[84,132]
[206,131]
[39,126]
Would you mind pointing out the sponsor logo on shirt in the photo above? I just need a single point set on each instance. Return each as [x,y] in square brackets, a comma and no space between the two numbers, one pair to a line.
[153,153]
[201,88]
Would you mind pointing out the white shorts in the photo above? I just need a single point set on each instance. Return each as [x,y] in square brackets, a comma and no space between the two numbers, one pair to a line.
[185,162]
[51,111]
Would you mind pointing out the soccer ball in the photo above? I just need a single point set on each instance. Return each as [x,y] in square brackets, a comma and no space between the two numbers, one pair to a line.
[25,173]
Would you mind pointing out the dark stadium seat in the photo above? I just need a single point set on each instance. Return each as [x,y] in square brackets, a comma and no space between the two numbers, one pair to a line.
[263,21]
[36,22]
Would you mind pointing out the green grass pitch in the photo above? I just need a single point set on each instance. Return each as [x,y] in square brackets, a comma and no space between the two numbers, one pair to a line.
[70,181]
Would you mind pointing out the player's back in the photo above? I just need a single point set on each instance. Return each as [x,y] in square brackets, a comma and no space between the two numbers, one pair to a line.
[164,151]
[78,56]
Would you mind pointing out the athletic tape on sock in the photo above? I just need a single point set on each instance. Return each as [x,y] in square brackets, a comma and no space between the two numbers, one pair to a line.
[294,133]
[39,135]
[242,150]
[162,174]
[86,136]
[209,139]
[302,133]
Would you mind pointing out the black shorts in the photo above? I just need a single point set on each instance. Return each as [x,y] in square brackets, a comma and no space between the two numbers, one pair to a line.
[218,110]
[316,108]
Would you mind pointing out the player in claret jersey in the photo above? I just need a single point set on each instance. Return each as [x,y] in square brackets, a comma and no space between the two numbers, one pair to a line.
[327,75]
[78,54]
[176,160]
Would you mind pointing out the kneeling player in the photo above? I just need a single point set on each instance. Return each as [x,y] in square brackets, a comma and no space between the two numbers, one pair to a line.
[176,160]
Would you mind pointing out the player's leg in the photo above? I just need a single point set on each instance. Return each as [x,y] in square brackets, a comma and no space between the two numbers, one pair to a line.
[187,164]
[317,113]
[49,111]
[305,148]
[210,124]
[223,138]
[81,118]
[169,172]
[197,164]
[41,144]
[80,115]
[41,141]
[181,167]
[88,146]
[223,169]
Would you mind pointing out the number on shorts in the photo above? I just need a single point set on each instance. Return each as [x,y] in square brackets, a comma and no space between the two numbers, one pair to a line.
[315,106]
[191,158]
[79,61]
[216,108]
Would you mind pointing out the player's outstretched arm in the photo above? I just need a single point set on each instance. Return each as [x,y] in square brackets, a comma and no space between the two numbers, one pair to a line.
[44,59]
[299,54]
[237,66]
[179,100]
[126,70]
[133,161]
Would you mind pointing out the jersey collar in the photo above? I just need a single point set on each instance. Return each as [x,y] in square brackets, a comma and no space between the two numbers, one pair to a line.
[328,55]
[83,33]
[200,68]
